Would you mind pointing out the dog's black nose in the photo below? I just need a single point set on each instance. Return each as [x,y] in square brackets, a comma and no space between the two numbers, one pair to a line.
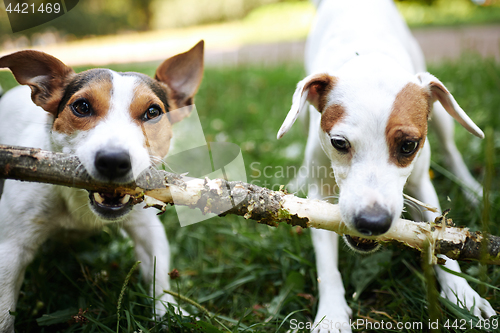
[113,163]
[373,221]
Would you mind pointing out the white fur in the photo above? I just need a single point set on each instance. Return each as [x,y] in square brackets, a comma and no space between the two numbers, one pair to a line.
[31,212]
[368,48]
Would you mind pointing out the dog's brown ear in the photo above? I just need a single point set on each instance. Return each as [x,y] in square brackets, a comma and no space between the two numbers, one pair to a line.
[313,89]
[45,74]
[182,74]
[317,88]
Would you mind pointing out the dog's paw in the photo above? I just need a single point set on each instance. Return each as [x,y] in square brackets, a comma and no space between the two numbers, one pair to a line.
[463,295]
[333,318]
[162,304]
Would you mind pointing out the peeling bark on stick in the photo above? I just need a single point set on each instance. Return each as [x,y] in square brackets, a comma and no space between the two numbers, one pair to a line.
[265,206]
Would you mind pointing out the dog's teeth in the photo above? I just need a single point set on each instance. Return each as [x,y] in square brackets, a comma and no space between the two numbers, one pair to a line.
[125,199]
[98,198]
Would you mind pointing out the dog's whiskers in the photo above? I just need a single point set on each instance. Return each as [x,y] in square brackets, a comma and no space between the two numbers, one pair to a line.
[334,197]
[80,207]
[80,167]
[416,209]
[158,161]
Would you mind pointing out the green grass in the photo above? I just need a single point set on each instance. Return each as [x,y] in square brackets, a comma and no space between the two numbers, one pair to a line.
[448,13]
[252,276]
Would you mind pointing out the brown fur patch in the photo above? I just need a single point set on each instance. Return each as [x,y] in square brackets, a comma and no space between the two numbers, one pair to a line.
[157,132]
[157,136]
[98,95]
[319,86]
[143,99]
[408,121]
[331,116]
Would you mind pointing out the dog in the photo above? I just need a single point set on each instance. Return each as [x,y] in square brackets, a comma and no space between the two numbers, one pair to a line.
[118,124]
[370,100]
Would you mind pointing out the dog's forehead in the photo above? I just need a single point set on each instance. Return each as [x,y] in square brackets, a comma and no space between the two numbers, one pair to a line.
[146,85]
[360,105]
[115,82]
[365,92]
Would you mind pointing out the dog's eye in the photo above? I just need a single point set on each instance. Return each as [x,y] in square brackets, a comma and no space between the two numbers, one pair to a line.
[151,113]
[81,108]
[341,144]
[409,147]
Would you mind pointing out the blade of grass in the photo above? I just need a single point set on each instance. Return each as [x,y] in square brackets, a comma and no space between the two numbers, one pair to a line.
[469,278]
[488,180]
[432,292]
[122,292]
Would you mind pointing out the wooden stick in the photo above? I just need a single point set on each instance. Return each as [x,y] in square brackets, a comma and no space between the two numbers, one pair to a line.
[158,188]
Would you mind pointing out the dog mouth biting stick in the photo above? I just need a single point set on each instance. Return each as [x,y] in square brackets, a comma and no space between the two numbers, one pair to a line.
[155,187]
[368,99]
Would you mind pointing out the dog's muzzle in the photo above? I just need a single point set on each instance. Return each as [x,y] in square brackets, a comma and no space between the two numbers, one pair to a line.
[113,165]
[373,221]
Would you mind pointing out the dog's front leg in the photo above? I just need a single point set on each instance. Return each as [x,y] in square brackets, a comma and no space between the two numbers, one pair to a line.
[333,313]
[12,267]
[24,226]
[454,288]
[16,252]
[151,243]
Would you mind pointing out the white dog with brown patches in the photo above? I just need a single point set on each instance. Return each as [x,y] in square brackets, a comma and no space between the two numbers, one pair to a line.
[118,124]
[370,101]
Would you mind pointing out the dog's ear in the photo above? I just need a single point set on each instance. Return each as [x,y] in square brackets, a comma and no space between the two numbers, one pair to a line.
[182,74]
[438,92]
[46,75]
[313,89]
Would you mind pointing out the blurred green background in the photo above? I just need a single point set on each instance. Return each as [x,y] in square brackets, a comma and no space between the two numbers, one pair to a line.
[97,18]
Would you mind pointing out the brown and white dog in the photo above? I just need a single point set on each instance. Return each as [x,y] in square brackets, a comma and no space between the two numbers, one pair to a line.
[118,124]
[370,102]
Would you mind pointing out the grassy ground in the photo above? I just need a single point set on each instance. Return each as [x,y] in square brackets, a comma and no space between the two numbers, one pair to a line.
[253,277]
